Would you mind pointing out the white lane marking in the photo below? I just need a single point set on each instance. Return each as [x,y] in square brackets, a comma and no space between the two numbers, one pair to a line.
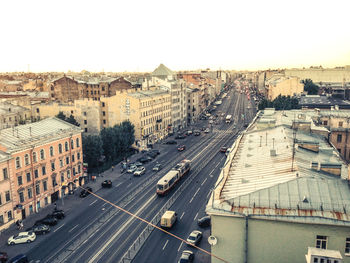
[195,217]
[180,246]
[196,192]
[58,228]
[104,204]
[118,184]
[204,181]
[93,202]
[128,185]
[73,228]
[166,243]
[208,194]
[182,215]
[97,254]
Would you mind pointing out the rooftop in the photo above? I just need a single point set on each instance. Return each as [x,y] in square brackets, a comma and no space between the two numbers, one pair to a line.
[147,93]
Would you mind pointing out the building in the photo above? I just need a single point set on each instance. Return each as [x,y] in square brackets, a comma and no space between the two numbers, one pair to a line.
[193,107]
[283,189]
[12,115]
[278,84]
[46,163]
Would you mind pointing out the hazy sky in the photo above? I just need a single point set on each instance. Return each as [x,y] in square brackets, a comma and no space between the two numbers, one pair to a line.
[130,35]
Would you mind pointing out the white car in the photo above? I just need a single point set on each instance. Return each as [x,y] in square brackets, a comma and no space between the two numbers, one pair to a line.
[22,237]
[139,171]
[195,237]
[132,169]
[206,130]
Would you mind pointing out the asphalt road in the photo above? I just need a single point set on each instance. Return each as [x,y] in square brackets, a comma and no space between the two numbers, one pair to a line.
[98,232]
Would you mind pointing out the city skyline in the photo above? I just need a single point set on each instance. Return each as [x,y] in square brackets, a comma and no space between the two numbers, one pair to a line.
[137,36]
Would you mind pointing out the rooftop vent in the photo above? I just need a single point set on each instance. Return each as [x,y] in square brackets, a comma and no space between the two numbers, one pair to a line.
[305,200]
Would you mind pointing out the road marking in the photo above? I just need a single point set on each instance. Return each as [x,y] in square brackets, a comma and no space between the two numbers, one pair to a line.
[180,246]
[73,228]
[93,202]
[195,217]
[58,228]
[194,195]
[182,215]
[208,194]
[104,204]
[204,181]
[97,254]
[128,185]
[118,184]
[166,243]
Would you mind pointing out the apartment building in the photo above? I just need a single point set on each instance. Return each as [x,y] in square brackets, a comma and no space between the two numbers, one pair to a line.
[6,202]
[12,115]
[193,107]
[278,84]
[47,162]
[282,195]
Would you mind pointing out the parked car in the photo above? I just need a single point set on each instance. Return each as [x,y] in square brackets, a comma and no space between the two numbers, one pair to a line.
[181,148]
[186,256]
[195,237]
[138,164]
[189,132]
[206,130]
[20,258]
[3,257]
[140,171]
[21,237]
[197,133]
[85,192]
[152,154]
[48,220]
[223,149]
[204,221]
[59,214]
[132,169]
[157,167]
[39,229]
[180,136]
[171,142]
[144,159]
[106,184]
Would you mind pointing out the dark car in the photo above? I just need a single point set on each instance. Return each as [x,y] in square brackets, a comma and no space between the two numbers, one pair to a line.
[85,192]
[39,229]
[144,159]
[59,214]
[21,258]
[186,256]
[155,151]
[204,221]
[223,149]
[196,133]
[152,154]
[180,136]
[106,184]
[3,257]
[171,142]
[181,148]
[48,220]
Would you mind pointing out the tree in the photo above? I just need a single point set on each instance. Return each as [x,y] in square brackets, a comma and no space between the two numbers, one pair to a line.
[72,120]
[310,87]
[92,149]
[280,103]
[108,138]
[61,116]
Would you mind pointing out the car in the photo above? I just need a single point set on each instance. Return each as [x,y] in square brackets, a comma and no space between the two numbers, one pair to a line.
[144,150]
[21,237]
[152,154]
[48,220]
[138,164]
[203,129]
[41,229]
[3,257]
[228,151]
[106,184]
[189,132]
[85,192]
[155,151]
[58,214]
[140,171]
[132,169]
[186,256]
[171,142]
[206,130]
[20,258]
[223,149]
[204,221]
[157,167]
[181,148]
[197,133]
[180,136]
[211,122]
[195,237]
[144,159]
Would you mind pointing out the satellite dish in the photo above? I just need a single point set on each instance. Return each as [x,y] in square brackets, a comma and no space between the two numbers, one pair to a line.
[212,240]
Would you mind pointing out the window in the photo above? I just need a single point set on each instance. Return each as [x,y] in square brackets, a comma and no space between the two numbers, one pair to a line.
[61,163]
[104,121]
[67,160]
[21,197]
[77,142]
[30,193]
[37,189]
[72,144]
[85,121]
[325,123]
[103,104]
[42,154]
[321,242]
[54,182]
[30,209]
[62,177]
[9,215]
[26,159]
[19,180]
[7,196]
[79,169]
[51,151]
[5,174]
[60,148]
[86,130]
[339,138]
[84,113]
[34,157]
[45,185]
[347,245]
[1,220]
[73,158]
[36,173]
[68,174]
[66,146]
[103,113]
[18,162]
[46,201]
[43,170]
[340,124]
[74,171]
[28,177]
[0,200]
[78,155]
[52,166]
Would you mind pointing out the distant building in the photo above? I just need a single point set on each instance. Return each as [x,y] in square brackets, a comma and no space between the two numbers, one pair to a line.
[278,84]
[12,115]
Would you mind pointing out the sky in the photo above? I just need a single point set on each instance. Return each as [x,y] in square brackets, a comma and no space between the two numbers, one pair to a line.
[138,35]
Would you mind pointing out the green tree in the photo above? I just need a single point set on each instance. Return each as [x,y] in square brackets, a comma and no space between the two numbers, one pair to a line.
[61,116]
[92,149]
[72,120]
[310,87]
[280,103]
[108,138]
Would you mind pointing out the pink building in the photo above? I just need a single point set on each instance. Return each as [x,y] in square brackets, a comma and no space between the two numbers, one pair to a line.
[47,162]
[6,203]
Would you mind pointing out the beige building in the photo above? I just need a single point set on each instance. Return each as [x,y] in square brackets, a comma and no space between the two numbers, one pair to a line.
[12,115]
[148,110]
[278,84]
[193,106]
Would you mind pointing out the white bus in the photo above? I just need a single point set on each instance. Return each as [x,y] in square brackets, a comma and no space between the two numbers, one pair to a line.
[228,118]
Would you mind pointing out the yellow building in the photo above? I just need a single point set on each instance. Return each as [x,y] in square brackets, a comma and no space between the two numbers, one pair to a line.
[149,111]
[278,84]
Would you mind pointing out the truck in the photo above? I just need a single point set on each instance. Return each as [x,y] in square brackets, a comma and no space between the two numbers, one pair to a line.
[168,219]
[228,118]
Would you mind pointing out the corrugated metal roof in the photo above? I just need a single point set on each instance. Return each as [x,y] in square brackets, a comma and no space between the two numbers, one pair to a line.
[147,93]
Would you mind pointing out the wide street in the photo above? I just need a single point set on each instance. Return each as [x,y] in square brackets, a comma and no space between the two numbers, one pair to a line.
[98,232]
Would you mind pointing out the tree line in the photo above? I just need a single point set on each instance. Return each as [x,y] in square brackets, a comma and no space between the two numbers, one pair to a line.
[280,103]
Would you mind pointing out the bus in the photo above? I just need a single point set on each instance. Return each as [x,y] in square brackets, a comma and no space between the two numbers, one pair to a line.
[228,118]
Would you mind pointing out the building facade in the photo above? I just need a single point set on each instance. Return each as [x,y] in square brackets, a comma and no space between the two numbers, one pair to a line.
[278,84]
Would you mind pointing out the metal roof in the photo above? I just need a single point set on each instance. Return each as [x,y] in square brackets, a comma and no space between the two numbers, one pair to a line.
[147,93]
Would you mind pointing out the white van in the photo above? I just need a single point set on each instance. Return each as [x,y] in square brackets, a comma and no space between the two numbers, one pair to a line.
[168,219]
